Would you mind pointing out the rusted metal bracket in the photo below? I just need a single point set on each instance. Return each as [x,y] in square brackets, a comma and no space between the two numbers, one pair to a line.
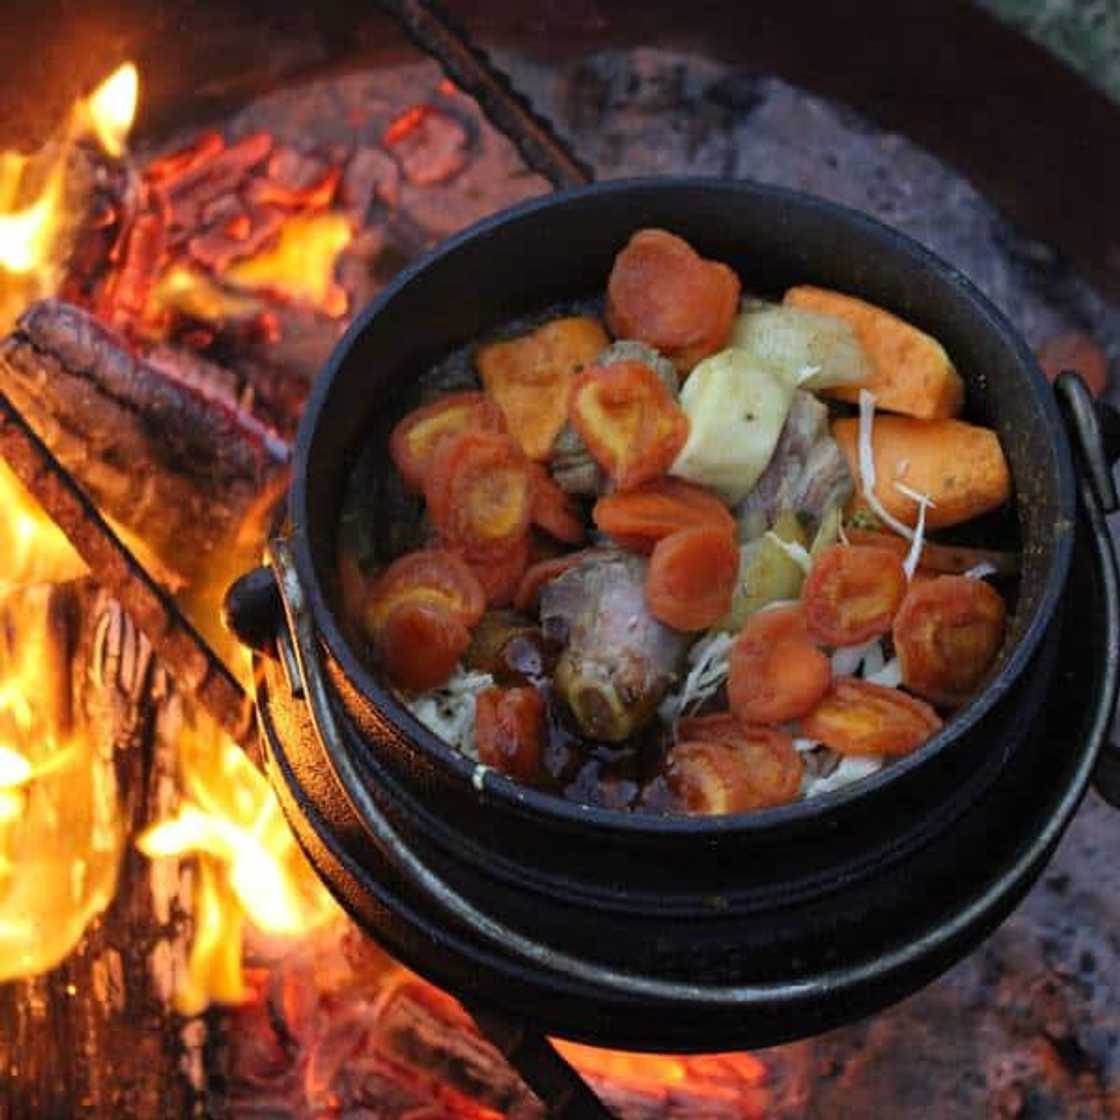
[177,643]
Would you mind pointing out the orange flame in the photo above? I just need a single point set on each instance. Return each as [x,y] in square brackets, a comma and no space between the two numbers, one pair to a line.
[34,217]
[250,866]
[111,108]
[60,833]
[33,549]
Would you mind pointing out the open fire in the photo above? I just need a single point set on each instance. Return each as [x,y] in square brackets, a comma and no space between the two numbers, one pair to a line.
[198,256]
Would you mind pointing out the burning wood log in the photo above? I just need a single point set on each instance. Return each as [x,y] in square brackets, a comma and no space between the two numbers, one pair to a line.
[177,466]
[96,1035]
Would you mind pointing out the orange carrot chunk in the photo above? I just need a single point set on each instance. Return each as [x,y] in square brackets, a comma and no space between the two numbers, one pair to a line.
[637,519]
[528,596]
[554,511]
[414,440]
[942,559]
[753,768]
[776,673]
[629,421]
[852,593]
[432,577]
[420,645]
[531,377]
[858,717]
[959,466]
[663,293]
[691,578]
[509,728]
[947,635]
[911,373]
[500,575]
[479,492]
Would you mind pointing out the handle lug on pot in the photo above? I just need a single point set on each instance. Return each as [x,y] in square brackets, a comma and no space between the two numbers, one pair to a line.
[1084,420]
[252,612]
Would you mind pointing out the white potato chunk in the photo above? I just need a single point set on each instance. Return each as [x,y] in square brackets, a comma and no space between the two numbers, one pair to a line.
[736,406]
[812,349]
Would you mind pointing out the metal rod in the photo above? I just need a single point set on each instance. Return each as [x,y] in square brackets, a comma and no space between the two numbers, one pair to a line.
[435,32]
[176,642]
[552,1077]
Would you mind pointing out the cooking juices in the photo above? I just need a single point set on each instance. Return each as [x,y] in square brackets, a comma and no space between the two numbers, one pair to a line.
[669,550]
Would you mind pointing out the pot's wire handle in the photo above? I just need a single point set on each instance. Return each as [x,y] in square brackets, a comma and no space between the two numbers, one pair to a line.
[1095,427]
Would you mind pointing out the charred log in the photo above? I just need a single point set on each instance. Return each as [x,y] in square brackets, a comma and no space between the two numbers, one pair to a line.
[178,468]
[97,1036]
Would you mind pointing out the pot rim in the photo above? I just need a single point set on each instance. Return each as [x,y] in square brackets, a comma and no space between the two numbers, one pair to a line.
[533,803]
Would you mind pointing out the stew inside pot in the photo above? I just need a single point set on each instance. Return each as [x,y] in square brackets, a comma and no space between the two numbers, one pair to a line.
[672,549]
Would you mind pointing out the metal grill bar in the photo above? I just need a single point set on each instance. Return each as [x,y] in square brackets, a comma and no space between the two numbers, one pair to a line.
[437,34]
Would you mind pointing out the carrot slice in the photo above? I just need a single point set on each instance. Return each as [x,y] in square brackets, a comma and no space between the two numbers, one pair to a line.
[420,644]
[500,575]
[554,511]
[509,728]
[637,519]
[944,559]
[414,440]
[947,635]
[433,577]
[776,673]
[755,769]
[691,578]
[480,493]
[531,377]
[662,292]
[629,421]
[910,371]
[858,717]
[528,595]
[852,593]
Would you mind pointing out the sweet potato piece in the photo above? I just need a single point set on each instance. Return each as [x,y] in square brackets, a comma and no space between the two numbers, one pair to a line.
[629,421]
[910,371]
[959,466]
[530,377]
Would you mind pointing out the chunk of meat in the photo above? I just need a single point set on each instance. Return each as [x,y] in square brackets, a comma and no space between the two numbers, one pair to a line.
[618,659]
[807,472]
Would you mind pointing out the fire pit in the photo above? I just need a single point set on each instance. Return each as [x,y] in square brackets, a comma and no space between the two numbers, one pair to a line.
[166,374]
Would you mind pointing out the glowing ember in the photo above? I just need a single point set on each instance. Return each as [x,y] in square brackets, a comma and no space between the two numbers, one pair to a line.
[300,266]
[249,864]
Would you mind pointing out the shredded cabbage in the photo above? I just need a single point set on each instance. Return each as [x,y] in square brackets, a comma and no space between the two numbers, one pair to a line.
[910,564]
[867,465]
[709,661]
[889,676]
[981,570]
[852,768]
[796,551]
[449,711]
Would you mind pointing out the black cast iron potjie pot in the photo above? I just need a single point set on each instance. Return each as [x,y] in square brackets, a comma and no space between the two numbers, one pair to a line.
[688,933]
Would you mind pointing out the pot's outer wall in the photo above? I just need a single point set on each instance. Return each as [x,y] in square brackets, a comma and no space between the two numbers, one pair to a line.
[837,959]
